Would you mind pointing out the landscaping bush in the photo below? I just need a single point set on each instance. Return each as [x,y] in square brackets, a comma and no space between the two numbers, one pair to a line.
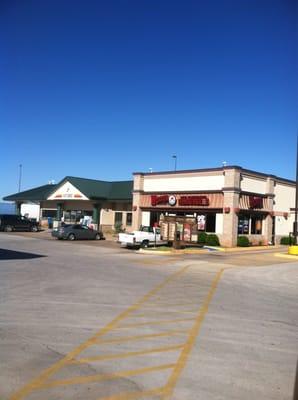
[287,240]
[242,241]
[202,237]
[118,228]
[212,240]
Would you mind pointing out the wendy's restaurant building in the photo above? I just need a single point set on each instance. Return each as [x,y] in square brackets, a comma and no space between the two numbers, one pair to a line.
[227,201]
[105,204]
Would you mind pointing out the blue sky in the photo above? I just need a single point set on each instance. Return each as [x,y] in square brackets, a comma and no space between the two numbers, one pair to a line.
[102,89]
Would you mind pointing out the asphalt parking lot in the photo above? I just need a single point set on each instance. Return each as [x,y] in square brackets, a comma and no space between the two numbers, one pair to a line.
[89,320]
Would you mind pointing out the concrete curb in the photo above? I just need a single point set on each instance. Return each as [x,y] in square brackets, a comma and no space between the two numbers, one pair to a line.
[288,256]
[209,249]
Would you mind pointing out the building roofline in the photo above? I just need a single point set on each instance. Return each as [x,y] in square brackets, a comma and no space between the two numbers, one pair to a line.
[237,167]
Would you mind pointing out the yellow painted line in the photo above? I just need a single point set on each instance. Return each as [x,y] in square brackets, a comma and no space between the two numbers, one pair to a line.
[127,355]
[105,377]
[191,339]
[154,312]
[149,304]
[177,332]
[134,395]
[37,382]
[167,321]
[288,256]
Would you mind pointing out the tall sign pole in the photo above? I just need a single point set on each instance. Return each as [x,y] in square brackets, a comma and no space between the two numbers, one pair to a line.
[296,196]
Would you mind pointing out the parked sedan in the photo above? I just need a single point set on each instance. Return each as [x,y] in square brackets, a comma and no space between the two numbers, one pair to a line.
[79,232]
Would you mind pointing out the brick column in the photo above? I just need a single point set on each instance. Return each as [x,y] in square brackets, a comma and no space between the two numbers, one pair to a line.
[231,192]
[138,187]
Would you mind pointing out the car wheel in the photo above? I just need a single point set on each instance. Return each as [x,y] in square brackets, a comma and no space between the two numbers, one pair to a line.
[145,244]
[97,236]
[34,228]
[71,236]
[8,228]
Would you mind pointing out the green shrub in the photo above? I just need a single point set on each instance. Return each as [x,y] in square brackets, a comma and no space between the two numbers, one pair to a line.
[202,237]
[242,241]
[287,240]
[212,240]
[118,228]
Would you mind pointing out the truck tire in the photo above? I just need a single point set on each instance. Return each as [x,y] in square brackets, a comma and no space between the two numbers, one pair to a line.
[145,244]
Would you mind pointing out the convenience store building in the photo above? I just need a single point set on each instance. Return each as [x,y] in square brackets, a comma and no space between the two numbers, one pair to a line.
[227,201]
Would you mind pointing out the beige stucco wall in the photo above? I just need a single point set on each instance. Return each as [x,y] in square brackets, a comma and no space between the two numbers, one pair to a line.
[284,197]
[254,185]
[283,226]
[186,182]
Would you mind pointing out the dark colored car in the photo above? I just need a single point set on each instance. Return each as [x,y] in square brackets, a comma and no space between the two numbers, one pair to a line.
[9,223]
[76,231]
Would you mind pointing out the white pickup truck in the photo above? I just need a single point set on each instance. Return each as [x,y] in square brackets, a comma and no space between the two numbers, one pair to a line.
[143,238]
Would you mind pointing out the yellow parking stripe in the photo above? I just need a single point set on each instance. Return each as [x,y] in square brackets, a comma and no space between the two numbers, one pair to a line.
[191,339]
[134,395]
[37,382]
[153,312]
[126,355]
[167,321]
[104,377]
[149,304]
[177,332]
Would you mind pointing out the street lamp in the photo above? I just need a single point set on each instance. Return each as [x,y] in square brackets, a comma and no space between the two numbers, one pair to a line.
[175,162]
[20,176]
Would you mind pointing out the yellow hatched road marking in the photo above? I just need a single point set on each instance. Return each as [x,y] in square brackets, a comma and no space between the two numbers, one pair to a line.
[104,377]
[37,382]
[127,355]
[134,395]
[153,312]
[177,332]
[191,339]
[166,321]
[149,304]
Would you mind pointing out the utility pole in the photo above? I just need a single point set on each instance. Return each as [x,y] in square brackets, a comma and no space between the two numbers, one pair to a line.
[175,162]
[296,197]
[20,176]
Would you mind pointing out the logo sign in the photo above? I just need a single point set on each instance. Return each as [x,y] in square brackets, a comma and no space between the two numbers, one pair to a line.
[172,200]
[157,200]
[255,202]
[193,201]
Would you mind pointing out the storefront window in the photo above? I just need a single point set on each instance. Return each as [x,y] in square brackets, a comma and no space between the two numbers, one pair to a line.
[48,213]
[74,216]
[210,222]
[129,219]
[118,218]
[249,224]
[256,225]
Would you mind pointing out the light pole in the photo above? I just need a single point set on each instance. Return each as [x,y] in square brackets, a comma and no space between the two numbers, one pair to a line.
[296,198]
[20,176]
[175,162]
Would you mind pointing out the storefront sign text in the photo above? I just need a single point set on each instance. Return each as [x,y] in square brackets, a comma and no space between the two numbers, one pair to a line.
[193,201]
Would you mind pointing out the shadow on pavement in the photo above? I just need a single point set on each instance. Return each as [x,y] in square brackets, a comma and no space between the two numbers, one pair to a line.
[17,255]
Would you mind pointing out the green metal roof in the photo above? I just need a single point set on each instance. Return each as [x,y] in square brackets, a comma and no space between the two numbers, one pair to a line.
[91,188]
[36,194]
